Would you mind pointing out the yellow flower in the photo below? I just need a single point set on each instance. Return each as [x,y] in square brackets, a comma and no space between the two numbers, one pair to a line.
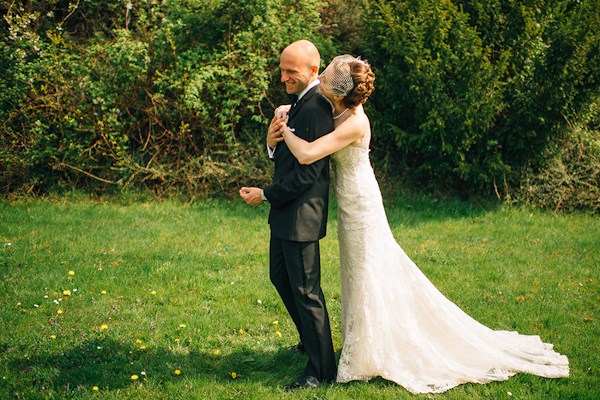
[71,272]
[153,292]
[103,326]
[59,311]
[275,322]
[177,340]
[182,325]
[233,375]
[95,388]
[142,347]
[217,352]
[103,292]
[134,377]
[177,372]
[278,333]
[52,336]
[138,341]
[66,292]
[241,331]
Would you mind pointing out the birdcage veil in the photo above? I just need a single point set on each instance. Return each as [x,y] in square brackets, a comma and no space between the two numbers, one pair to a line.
[337,77]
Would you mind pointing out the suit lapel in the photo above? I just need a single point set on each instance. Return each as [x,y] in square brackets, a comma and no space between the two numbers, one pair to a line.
[304,99]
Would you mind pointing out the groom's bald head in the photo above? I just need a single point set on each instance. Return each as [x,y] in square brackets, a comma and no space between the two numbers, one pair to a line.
[305,50]
[299,64]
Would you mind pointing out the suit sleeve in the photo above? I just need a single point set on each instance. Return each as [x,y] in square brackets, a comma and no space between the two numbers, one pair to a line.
[318,123]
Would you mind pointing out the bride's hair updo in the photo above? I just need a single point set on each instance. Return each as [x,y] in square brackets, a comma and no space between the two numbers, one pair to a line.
[363,79]
[350,78]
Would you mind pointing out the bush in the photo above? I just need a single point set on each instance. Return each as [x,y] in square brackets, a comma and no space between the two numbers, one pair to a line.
[170,94]
[570,180]
[478,97]
[473,93]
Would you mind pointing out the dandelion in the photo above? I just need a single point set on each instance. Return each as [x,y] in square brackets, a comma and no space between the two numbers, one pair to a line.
[177,340]
[71,272]
[153,292]
[103,292]
[95,388]
[134,377]
[103,326]
[233,375]
[52,336]
[177,372]
[275,322]
[278,333]
[138,341]
[217,352]
[59,312]
[67,292]
[241,331]
[182,325]
[142,347]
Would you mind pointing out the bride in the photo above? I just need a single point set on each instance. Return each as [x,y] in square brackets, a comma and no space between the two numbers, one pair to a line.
[395,323]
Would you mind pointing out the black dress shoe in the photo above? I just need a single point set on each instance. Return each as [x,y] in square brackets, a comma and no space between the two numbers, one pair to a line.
[299,348]
[307,382]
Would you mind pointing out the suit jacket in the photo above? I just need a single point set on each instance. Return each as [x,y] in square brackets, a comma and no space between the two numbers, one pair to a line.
[299,194]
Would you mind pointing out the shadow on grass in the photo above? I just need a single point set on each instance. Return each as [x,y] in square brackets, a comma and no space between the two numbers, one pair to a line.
[111,365]
[412,211]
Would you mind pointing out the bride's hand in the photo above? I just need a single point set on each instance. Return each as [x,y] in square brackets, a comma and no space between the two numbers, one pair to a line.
[282,111]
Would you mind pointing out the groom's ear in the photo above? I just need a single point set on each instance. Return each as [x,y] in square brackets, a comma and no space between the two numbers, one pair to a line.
[314,71]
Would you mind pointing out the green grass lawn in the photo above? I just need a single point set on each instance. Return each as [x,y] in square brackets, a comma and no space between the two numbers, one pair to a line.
[140,299]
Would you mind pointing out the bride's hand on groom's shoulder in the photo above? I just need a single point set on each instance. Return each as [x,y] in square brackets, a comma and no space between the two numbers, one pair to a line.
[282,111]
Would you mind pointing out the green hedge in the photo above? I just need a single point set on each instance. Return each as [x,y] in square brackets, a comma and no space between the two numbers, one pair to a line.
[161,94]
[471,93]
[481,97]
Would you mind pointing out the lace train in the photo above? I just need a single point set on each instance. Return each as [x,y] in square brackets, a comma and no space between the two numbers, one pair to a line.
[395,323]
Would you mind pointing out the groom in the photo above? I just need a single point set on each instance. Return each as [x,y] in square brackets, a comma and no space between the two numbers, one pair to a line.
[299,197]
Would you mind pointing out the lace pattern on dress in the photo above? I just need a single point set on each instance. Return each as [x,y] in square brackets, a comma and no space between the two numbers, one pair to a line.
[395,323]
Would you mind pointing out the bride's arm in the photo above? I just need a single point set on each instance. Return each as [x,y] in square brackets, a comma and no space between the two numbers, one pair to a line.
[308,152]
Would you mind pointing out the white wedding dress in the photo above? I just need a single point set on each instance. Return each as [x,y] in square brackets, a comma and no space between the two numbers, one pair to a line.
[395,323]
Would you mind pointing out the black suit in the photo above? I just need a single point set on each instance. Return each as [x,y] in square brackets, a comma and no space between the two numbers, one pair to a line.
[298,219]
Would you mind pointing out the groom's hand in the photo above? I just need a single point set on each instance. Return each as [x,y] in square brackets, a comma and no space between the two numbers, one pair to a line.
[275,131]
[251,195]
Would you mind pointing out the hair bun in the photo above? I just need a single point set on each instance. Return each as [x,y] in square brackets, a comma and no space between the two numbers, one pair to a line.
[363,79]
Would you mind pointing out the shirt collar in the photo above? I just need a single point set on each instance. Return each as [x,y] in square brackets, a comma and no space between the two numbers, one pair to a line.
[310,86]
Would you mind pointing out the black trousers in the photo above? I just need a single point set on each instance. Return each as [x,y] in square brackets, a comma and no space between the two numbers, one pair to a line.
[295,271]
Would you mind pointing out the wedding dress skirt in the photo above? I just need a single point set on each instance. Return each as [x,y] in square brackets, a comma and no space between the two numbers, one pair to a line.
[395,323]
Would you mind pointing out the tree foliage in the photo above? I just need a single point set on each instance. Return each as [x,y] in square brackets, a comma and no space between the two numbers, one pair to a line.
[480,96]
[470,93]
[157,93]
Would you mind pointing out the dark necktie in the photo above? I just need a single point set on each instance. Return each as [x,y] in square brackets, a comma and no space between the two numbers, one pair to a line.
[293,99]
